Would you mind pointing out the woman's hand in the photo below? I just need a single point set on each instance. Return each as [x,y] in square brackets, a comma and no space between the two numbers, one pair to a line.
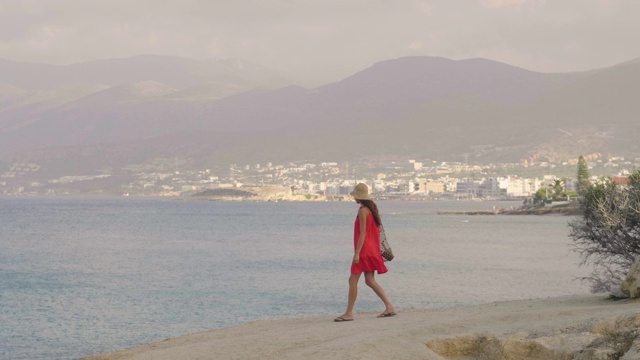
[356,258]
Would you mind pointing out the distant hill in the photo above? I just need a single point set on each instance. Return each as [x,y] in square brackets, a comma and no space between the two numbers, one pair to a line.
[425,107]
[596,113]
[128,93]
[115,100]
[175,72]
[434,78]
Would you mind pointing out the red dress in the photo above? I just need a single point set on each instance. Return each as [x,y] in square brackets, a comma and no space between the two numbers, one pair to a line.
[370,256]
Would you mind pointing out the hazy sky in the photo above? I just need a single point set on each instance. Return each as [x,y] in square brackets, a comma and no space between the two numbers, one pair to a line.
[325,39]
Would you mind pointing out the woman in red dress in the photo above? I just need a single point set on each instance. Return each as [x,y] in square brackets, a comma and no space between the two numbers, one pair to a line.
[366,258]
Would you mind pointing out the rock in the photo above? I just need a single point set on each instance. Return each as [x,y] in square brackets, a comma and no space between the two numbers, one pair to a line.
[596,354]
[631,284]
[617,338]
[519,347]
[617,293]
[608,339]
[567,345]
[516,347]
[634,351]
[466,345]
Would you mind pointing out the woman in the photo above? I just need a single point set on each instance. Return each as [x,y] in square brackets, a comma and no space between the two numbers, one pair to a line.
[366,258]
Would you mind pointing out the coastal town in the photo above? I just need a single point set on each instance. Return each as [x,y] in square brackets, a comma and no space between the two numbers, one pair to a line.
[412,179]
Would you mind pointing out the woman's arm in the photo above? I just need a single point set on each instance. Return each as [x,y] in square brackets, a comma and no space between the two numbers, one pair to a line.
[363,213]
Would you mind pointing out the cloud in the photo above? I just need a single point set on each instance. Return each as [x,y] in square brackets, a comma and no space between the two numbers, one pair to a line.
[326,39]
[318,29]
[424,8]
[514,5]
[501,3]
[415,45]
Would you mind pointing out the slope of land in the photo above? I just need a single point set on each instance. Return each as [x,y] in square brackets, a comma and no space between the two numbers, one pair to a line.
[588,326]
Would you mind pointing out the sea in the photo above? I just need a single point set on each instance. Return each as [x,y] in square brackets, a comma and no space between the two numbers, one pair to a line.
[87,276]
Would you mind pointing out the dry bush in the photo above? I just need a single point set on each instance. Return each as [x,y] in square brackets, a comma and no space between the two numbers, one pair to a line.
[607,233]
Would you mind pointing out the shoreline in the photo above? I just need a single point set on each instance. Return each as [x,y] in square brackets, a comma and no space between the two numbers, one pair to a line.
[557,326]
[568,211]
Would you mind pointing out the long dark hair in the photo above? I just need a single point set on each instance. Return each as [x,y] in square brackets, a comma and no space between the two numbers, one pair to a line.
[374,210]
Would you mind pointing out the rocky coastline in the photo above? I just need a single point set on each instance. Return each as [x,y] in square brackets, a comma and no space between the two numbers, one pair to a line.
[560,210]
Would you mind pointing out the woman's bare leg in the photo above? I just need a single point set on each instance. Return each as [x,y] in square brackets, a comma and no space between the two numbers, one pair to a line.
[353,294]
[370,280]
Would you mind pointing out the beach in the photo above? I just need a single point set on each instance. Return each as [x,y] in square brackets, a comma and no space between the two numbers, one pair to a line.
[549,328]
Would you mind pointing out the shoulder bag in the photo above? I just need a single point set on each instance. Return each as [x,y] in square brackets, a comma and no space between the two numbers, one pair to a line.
[385,249]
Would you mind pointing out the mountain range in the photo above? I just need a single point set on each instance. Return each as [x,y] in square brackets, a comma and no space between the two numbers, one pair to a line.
[78,118]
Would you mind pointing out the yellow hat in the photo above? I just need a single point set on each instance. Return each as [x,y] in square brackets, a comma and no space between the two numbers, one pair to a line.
[361,192]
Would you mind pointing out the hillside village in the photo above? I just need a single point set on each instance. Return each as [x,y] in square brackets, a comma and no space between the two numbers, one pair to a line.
[175,144]
[161,125]
[389,179]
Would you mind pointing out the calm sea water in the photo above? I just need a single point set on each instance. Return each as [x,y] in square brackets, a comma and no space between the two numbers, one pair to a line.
[80,277]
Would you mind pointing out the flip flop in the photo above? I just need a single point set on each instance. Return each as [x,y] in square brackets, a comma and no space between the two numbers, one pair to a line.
[341,319]
[384,315]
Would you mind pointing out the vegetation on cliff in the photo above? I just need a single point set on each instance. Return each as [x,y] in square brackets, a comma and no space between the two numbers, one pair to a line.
[225,193]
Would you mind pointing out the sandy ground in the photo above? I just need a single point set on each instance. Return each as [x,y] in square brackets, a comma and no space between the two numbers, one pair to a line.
[401,337]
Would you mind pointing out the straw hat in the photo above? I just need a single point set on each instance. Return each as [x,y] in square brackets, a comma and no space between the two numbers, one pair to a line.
[361,192]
